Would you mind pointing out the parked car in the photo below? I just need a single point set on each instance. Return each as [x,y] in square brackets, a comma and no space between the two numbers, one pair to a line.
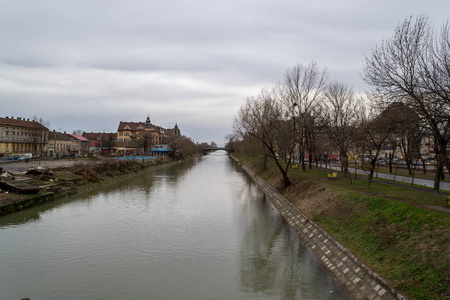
[430,161]
[26,157]
[382,161]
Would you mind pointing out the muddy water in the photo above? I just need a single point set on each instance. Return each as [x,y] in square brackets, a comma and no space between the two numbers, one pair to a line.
[197,230]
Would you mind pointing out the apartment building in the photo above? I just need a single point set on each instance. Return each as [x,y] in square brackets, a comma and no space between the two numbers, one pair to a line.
[19,136]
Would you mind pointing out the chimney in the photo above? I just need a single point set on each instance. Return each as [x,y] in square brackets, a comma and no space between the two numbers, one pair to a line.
[19,118]
[7,117]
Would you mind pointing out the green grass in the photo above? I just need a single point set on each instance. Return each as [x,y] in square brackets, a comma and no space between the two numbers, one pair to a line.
[402,192]
[406,244]
[402,171]
[390,228]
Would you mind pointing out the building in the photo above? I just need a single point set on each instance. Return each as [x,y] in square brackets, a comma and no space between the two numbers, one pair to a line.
[66,145]
[19,136]
[101,142]
[160,150]
[80,145]
[58,144]
[140,137]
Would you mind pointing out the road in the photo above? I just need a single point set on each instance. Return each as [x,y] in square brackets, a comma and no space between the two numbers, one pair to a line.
[423,182]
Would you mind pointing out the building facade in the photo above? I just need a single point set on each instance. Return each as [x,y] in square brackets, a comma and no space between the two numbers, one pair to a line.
[140,137]
[19,136]
[101,142]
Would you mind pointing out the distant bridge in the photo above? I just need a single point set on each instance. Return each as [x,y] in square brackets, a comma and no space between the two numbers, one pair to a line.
[210,149]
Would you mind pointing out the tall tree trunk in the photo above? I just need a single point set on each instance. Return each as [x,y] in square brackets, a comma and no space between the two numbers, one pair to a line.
[310,159]
[391,157]
[437,177]
[286,180]
[408,166]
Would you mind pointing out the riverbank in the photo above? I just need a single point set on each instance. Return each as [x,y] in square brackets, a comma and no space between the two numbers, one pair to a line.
[77,177]
[405,243]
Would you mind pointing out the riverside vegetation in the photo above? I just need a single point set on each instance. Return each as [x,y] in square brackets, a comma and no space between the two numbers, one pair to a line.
[392,229]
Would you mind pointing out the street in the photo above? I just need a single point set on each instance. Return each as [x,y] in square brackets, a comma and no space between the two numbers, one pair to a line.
[398,178]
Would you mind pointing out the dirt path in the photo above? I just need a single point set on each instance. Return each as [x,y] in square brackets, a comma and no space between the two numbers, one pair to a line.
[23,166]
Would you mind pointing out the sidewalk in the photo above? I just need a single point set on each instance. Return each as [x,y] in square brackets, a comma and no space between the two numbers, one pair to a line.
[402,179]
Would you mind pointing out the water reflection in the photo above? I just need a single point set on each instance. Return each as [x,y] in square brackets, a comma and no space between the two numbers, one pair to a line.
[197,230]
[145,183]
[272,262]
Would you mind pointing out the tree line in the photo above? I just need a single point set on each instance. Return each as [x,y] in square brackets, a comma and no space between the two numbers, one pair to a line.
[307,115]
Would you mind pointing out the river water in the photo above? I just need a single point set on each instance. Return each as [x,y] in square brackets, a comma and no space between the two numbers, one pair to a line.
[197,230]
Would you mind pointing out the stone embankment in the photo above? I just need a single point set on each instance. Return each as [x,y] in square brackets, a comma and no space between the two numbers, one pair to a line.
[353,277]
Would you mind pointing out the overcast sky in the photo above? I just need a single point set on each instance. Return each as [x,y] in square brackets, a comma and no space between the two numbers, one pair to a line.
[90,64]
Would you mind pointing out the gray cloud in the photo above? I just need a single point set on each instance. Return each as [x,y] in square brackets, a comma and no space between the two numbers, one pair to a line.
[89,64]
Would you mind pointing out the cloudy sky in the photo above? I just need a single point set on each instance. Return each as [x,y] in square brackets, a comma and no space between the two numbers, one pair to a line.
[90,64]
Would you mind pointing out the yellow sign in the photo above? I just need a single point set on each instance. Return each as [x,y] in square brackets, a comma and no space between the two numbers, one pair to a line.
[352,157]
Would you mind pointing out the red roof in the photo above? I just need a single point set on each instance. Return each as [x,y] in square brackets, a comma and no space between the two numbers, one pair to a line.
[79,137]
[99,135]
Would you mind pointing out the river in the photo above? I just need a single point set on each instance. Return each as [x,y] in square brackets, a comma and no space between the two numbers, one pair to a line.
[200,229]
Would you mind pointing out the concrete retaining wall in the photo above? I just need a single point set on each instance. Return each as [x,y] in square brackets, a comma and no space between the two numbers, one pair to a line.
[9,208]
[352,276]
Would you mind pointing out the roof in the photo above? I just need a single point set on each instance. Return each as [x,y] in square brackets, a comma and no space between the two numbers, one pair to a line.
[19,122]
[59,136]
[138,126]
[91,135]
[100,135]
[79,137]
[132,126]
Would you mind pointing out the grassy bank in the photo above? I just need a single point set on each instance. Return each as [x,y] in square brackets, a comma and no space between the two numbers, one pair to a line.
[390,228]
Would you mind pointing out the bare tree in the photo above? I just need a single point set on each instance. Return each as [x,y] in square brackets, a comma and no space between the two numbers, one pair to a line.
[409,137]
[78,132]
[299,92]
[39,135]
[181,146]
[144,141]
[378,129]
[413,68]
[232,140]
[264,119]
[342,114]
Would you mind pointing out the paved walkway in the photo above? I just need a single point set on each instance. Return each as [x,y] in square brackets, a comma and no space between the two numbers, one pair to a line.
[405,179]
